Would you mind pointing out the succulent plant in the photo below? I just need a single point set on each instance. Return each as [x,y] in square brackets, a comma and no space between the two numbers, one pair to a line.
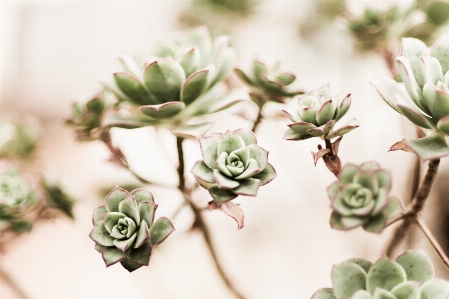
[316,113]
[87,117]
[58,197]
[233,164]
[124,230]
[181,81]
[268,84]
[425,75]
[410,276]
[18,138]
[360,198]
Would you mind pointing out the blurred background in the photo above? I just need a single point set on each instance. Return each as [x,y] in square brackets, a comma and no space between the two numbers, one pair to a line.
[53,53]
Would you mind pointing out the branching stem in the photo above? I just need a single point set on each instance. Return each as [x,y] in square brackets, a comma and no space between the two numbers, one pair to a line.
[425,229]
[258,118]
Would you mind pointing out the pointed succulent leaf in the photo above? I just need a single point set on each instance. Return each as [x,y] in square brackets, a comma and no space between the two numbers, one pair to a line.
[348,173]
[97,214]
[201,38]
[160,230]
[247,136]
[308,114]
[134,89]
[436,101]
[114,198]
[347,278]
[143,235]
[221,195]
[100,235]
[385,274]
[252,169]
[142,194]
[229,143]
[266,175]
[223,181]
[333,189]
[125,244]
[434,73]
[435,289]
[440,51]
[192,131]
[350,222]
[443,125]
[417,265]
[413,49]
[345,104]
[244,77]
[430,147]
[235,212]
[221,165]
[248,187]
[416,117]
[381,201]
[110,219]
[164,79]
[326,112]
[286,78]
[126,122]
[224,64]
[194,86]
[129,207]
[147,211]
[162,111]
[389,90]
[130,65]
[301,128]
[99,247]
[190,61]
[363,263]
[335,221]
[293,135]
[259,68]
[112,255]
[393,208]
[209,148]
[141,255]
[129,265]
[324,294]
[346,128]
[375,224]
[203,172]
[258,154]
[409,81]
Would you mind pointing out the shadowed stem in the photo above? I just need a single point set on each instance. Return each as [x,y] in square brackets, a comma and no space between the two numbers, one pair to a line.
[12,284]
[258,118]
[425,229]
[199,219]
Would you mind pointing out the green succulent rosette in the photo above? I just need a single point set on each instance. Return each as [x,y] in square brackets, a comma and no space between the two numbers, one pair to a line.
[360,198]
[180,81]
[124,228]
[17,196]
[86,117]
[315,115]
[410,276]
[233,164]
[425,100]
[268,83]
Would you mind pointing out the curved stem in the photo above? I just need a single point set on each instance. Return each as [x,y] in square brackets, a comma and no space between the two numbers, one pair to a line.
[12,284]
[199,220]
[258,119]
[425,229]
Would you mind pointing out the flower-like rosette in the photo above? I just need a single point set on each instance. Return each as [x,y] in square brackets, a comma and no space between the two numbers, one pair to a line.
[315,115]
[124,230]
[410,276]
[233,164]
[360,198]
[425,101]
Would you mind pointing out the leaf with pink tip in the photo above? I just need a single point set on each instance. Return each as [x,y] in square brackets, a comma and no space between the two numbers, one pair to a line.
[190,61]
[142,194]
[389,90]
[346,128]
[318,155]
[126,122]
[243,77]
[292,135]
[114,198]
[98,212]
[162,111]
[147,211]
[413,49]
[221,195]
[126,244]
[440,50]
[266,175]
[443,125]
[434,72]
[326,112]
[323,130]
[141,256]
[192,131]
[223,181]
[112,255]
[234,211]
[344,106]
[201,171]
[430,147]
[134,89]
[143,234]
[160,230]
[194,86]
[248,187]
[416,117]
[247,136]
[100,235]
[129,265]
[301,127]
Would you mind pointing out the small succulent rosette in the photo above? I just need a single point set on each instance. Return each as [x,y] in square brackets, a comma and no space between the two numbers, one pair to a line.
[410,276]
[125,230]
[360,198]
[425,100]
[180,81]
[315,115]
[268,84]
[17,197]
[233,165]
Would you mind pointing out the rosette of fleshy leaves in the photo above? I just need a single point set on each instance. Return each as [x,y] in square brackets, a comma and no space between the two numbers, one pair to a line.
[233,164]
[316,113]
[86,117]
[410,276]
[180,81]
[268,83]
[124,228]
[17,197]
[360,198]
[425,101]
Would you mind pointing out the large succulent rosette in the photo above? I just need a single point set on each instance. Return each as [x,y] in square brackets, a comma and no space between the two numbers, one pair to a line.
[268,84]
[360,198]
[125,230]
[315,115]
[410,276]
[233,164]
[425,100]
[179,81]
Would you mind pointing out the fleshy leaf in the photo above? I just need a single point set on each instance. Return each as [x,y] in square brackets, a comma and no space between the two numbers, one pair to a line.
[430,147]
[406,290]
[160,230]
[234,211]
[389,90]
[346,128]
[363,263]
[190,61]
[443,125]
[209,147]
[247,136]
[127,122]
[222,195]
[202,171]
[416,117]
[114,198]
[162,111]
[292,135]
[192,131]
[133,89]
[244,77]
[440,51]
[223,181]
[229,143]
[362,294]
[393,208]
[266,175]
[143,234]
[324,294]
[142,194]
[248,187]
[110,219]
[347,278]
[146,211]
[141,255]
[100,235]
[383,294]
[435,289]
[194,86]
[112,255]
[413,49]
[417,265]
[375,224]
[124,245]
[128,265]
[129,207]
[384,274]
[97,214]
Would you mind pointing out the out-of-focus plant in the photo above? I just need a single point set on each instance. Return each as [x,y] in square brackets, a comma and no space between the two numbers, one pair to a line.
[18,139]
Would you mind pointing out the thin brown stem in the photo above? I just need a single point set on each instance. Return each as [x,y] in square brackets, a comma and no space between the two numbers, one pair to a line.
[199,220]
[12,284]
[425,229]
[258,118]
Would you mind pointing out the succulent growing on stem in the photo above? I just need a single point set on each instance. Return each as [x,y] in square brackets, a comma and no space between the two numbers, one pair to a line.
[233,164]
[316,113]
[360,198]
[124,230]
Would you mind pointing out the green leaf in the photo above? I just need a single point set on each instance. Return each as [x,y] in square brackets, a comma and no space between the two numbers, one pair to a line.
[393,208]
[413,49]
[129,207]
[112,255]
[346,128]
[223,181]
[110,219]
[221,195]
[146,211]
[192,131]
[347,278]
[164,78]
[326,112]
[437,101]
[162,111]
[129,265]
[127,122]
[21,226]
[435,289]
[440,50]
[258,154]
[324,294]
[385,274]
[292,135]
[160,230]
[209,147]
[443,125]
[143,234]
[229,143]
[251,170]
[244,77]
[416,117]
[347,173]
[383,294]
[408,78]
[248,187]
[361,294]
[417,265]
[430,147]
[266,175]
[134,89]
[142,194]
[406,290]
[301,127]
[363,263]
[124,245]
[100,235]
[190,61]
[97,214]
[114,198]
[202,171]
[247,136]
[345,104]
[389,90]
[141,255]
[437,12]
[194,86]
